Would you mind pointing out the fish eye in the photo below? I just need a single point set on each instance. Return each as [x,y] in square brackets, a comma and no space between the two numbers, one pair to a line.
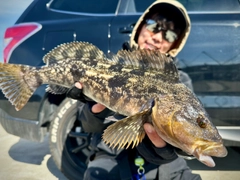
[201,122]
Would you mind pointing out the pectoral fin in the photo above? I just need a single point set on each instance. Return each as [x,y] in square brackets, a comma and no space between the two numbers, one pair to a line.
[128,131]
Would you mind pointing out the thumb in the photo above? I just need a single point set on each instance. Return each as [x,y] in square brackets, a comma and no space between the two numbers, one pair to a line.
[97,108]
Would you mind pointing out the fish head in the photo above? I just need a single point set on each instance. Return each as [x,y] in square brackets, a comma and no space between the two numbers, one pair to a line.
[188,127]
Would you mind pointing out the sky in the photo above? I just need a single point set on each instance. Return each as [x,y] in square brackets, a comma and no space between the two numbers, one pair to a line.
[10,10]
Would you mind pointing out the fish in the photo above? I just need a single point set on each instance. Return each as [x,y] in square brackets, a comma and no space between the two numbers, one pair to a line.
[143,85]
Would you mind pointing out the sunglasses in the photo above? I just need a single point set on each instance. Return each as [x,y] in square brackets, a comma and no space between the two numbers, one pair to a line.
[155,27]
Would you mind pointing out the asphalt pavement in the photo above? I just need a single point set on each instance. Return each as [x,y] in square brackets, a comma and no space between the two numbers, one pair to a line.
[26,160]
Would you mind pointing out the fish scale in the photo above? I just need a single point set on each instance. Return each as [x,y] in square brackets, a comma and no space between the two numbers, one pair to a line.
[143,85]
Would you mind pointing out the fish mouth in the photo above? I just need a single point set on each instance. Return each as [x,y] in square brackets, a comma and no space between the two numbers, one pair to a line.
[207,160]
[217,151]
[204,154]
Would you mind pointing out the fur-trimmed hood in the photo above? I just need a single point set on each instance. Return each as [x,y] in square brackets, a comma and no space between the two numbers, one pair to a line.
[177,10]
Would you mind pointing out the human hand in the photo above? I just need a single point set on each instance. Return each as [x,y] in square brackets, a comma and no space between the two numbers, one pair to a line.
[96,108]
[153,136]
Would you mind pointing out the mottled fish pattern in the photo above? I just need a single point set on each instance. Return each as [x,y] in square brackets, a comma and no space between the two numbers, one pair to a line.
[143,85]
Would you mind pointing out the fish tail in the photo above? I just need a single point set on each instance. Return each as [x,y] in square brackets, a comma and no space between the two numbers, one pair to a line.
[14,84]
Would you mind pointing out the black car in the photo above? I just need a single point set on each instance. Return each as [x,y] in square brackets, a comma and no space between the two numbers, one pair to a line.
[211,57]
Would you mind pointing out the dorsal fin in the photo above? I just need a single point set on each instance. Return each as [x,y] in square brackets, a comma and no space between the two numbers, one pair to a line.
[148,60]
[73,50]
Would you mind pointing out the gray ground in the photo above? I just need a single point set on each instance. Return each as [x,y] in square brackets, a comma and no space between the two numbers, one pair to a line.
[25,160]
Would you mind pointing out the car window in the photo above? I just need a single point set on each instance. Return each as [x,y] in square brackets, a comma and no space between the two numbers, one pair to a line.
[196,5]
[211,5]
[83,6]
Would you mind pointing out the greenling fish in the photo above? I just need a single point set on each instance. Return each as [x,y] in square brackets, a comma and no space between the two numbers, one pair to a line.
[142,85]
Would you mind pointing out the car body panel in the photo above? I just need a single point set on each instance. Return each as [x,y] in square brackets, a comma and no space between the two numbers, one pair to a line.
[211,57]
[212,62]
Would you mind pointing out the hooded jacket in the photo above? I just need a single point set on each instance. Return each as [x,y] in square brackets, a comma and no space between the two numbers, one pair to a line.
[171,9]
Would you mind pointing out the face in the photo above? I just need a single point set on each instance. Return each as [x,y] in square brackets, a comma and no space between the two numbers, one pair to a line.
[153,41]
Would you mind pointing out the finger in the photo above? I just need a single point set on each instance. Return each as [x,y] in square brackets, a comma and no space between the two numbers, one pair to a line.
[78,85]
[97,108]
[153,136]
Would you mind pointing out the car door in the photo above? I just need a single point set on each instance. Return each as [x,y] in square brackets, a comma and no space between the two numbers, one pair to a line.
[89,22]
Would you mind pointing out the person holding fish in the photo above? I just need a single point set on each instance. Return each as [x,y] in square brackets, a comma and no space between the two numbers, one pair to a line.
[165,27]
[144,101]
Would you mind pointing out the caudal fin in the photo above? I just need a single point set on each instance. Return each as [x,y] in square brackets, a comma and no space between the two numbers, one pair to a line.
[13,84]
